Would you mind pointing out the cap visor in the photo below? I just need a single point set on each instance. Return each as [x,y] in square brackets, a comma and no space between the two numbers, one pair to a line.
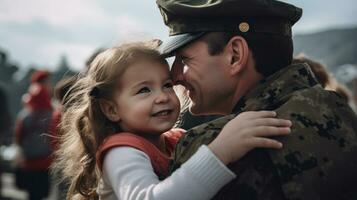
[173,43]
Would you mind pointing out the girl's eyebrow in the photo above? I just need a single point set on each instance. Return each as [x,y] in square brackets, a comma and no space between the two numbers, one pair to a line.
[147,82]
[141,83]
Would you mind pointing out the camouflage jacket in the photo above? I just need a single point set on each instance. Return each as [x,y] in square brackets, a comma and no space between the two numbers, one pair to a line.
[319,158]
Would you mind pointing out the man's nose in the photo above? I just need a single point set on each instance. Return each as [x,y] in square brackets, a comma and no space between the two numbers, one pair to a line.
[177,71]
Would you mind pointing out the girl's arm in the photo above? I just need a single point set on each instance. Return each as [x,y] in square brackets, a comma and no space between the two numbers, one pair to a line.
[131,175]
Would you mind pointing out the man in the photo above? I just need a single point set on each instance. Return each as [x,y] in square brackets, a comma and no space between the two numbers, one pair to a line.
[234,56]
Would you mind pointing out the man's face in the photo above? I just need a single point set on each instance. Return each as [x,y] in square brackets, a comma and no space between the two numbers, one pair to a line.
[206,77]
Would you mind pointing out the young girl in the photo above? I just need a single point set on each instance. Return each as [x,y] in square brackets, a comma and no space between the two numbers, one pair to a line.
[119,139]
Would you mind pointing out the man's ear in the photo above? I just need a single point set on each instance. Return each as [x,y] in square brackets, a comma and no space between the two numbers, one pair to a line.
[110,110]
[239,51]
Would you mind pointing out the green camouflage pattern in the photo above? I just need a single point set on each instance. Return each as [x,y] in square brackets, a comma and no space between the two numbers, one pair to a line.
[319,158]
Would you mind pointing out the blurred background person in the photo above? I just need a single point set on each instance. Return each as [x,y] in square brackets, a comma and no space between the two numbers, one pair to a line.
[5,124]
[60,92]
[326,79]
[5,118]
[31,135]
[90,59]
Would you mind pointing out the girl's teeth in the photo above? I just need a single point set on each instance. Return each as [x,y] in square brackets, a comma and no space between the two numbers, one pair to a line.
[162,113]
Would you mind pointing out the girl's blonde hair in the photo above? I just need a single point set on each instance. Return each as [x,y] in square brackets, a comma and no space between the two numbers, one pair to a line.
[84,126]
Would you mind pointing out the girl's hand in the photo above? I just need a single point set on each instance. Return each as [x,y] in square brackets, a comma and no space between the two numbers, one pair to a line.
[247,131]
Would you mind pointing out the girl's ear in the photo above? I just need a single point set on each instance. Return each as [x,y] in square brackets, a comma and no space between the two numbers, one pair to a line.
[110,110]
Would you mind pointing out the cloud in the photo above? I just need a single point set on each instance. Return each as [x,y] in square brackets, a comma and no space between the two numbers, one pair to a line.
[319,15]
[57,13]
[128,28]
[76,54]
[142,15]
[26,53]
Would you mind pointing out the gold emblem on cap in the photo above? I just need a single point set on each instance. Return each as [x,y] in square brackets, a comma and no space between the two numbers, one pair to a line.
[244,27]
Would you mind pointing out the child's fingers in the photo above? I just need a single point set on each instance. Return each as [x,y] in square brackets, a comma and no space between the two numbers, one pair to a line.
[266,131]
[258,142]
[270,122]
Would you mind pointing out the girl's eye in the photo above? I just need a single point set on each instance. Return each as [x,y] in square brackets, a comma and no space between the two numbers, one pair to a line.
[143,90]
[168,85]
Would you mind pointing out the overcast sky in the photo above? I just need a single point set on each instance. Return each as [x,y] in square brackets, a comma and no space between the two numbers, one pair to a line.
[38,32]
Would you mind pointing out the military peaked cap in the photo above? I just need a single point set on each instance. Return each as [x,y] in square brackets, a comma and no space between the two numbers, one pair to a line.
[190,19]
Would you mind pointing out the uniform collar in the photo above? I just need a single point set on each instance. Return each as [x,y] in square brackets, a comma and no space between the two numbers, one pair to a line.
[277,88]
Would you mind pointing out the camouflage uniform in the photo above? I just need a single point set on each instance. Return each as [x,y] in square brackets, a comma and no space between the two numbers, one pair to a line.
[319,158]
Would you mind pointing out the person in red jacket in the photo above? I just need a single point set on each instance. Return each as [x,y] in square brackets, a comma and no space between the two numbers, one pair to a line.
[31,135]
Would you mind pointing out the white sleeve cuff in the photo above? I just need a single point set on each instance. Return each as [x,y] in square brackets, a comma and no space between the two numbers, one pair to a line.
[208,169]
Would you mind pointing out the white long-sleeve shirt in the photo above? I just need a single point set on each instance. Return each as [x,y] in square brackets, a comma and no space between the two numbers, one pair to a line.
[128,175]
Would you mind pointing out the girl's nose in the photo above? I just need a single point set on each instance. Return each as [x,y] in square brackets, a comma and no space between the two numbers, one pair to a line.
[162,97]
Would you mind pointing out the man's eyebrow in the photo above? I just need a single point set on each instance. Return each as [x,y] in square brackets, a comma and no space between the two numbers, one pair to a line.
[182,56]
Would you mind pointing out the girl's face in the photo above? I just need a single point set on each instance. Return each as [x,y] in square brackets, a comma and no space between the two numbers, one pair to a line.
[146,102]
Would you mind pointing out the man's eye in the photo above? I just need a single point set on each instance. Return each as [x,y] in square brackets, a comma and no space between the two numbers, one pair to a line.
[184,61]
[143,90]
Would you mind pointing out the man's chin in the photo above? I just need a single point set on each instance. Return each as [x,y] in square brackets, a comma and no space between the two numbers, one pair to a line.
[196,110]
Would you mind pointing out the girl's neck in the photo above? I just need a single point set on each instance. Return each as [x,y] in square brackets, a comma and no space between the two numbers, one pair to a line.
[158,141]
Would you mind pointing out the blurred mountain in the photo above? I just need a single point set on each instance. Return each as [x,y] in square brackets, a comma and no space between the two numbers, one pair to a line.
[334,48]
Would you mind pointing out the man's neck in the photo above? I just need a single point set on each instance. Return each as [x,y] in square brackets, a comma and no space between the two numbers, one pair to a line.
[246,82]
